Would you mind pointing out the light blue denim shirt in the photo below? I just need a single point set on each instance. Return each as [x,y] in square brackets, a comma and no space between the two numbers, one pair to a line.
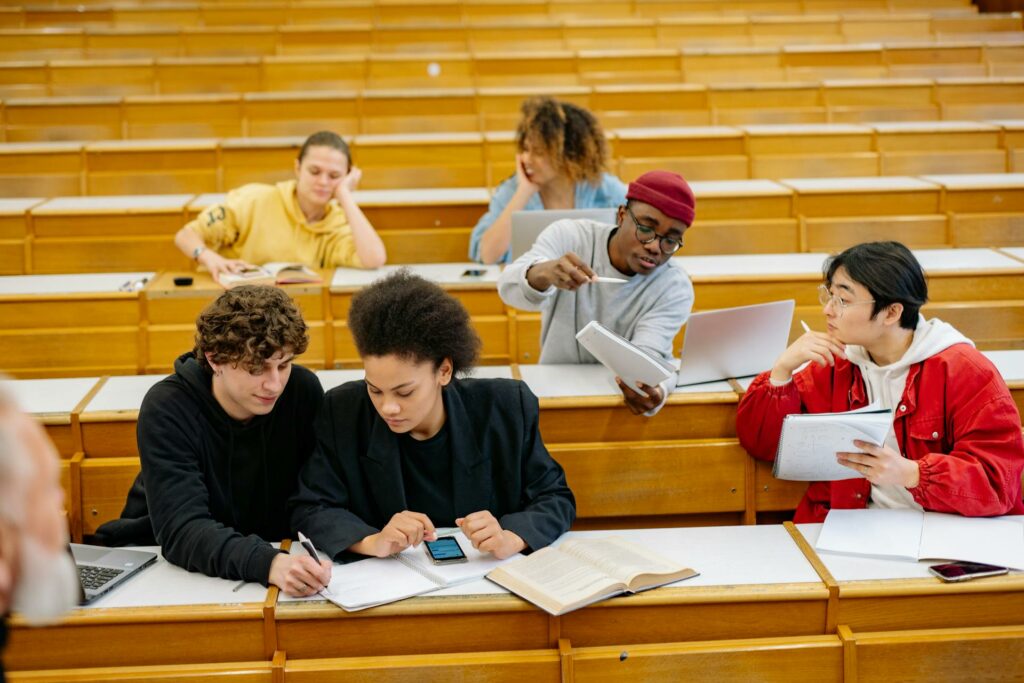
[609,193]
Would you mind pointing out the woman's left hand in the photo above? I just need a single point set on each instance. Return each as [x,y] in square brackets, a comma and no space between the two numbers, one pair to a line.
[350,182]
[486,535]
[881,465]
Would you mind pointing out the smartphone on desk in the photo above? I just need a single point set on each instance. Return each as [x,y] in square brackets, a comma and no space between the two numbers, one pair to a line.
[445,550]
[964,571]
[474,272]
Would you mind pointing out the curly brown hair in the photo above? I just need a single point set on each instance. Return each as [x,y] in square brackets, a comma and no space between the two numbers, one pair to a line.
[569,135]
[247,325]
[409,317]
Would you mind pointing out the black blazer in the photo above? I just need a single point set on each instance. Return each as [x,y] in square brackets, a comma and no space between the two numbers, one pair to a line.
[352,484]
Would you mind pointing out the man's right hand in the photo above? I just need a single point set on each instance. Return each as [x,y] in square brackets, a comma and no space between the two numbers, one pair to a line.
[405,529]
[568,272]
[217,264]
[299,575]
[818,347]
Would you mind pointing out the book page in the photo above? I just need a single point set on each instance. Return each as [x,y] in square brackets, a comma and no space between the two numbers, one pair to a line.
[562,577]
[809,443]
[972,539]
[619,558]
[476,566]
[874,532]
[374,581]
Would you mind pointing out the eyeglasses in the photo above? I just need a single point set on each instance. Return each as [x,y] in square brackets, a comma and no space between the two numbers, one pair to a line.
[826,297]
[646,235]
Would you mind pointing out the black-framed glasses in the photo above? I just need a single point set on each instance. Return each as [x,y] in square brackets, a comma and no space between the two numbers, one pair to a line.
[646,235]
[825,297]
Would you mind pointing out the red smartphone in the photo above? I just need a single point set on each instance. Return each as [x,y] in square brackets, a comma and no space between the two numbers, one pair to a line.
[964,571]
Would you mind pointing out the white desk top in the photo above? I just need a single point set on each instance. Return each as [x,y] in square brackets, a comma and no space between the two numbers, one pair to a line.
[40,147]
[82,283]
[1016,252]
[857,568]
[897,127]
[332,378]
[164,584]
[115,204]
[423,196]
[121,393]
[734,188]
[681,132]
[953,260]
[57,396]
[978,181]
[1008,124]
[262,143]
[13,207]
[152,145]
[753,264]
[866,184]
[417,139]
[556,381]
[441,273]
[807,129]
[1009,363]
[724,556]
[206,199]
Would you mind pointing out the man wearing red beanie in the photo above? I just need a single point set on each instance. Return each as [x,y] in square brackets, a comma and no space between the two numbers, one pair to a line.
[559,276]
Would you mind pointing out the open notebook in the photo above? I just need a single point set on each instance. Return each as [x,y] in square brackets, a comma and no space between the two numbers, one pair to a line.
[378,581]
[271,273]
[809,443]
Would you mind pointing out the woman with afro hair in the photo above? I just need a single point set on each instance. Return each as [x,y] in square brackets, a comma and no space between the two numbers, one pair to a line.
[415,446]
[560,165]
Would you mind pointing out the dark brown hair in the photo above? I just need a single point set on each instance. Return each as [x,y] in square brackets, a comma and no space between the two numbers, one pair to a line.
[890,272]
[247,325]
[325,138]
[569,135]
[410,317]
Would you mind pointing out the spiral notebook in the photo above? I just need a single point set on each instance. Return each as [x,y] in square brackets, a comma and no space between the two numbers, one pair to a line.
[809,443]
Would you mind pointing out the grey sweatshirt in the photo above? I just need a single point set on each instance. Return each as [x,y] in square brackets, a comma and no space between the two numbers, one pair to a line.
[648,310]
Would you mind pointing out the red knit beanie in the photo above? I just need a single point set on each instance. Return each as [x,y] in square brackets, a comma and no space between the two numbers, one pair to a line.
[667,192]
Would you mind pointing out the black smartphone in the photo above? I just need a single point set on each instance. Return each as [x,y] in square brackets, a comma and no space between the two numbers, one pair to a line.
[474,272]
[964,571]
[445,550]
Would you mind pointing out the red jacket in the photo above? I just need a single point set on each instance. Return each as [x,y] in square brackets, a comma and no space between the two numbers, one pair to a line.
[956,419]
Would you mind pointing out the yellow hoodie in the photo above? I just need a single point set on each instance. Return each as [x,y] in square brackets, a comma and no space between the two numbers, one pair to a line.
[262,223]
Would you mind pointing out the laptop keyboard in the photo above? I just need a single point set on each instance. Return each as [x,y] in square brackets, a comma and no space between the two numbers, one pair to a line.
[96,577]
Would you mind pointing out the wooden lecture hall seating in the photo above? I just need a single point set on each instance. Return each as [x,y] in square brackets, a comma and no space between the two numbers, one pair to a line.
[805,126]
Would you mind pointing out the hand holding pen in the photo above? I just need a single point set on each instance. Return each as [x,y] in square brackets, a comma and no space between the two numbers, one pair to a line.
[816,347]
[301,575]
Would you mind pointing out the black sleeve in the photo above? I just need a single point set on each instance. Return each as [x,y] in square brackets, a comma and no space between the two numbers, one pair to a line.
[549,507]
[319,509]
[170,448]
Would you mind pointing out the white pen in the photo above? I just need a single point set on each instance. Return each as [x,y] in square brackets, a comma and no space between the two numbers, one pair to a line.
[307,545]
[805,326]
[610,280]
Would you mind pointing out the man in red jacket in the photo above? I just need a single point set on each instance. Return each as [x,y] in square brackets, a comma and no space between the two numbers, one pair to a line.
[956,440]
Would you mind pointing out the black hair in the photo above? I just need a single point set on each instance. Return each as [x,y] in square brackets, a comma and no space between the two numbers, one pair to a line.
[890,272]
[410,317]
[325,138]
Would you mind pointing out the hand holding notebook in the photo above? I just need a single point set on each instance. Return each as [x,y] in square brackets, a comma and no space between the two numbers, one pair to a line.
[809,443]
[628,362]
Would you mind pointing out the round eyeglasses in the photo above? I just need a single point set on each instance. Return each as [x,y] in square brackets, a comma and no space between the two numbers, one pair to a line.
[825,297]
[646,235]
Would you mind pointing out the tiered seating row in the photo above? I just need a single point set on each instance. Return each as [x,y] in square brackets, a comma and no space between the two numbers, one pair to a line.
[311,32]
[405,12]
[104,234]
[536,68]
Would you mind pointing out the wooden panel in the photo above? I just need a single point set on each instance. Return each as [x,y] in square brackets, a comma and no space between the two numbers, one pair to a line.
[314,73]
[55,120]
[774,166]
[190,116]
[917,232]
[69,311]
[885,607]
[12,257]
[880,202]
[492,329]
[230,41]
[207,75]
[445,110]
[917,163]
[441,245]
[31,171]
[983,199]
[242,672]
[771,494]
[105,254]
[988,229]
[272,114]
[110,437]
[811,659]
[151,169]
[113,349]
[413,71]
[267,162]
[494,667]
[648,477]
[607,420]
[420,161]
[743,237]
[102,77]
[535,69]
[105,485]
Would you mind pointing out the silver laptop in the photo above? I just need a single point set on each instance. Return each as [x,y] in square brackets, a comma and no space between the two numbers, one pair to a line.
[527,225]
[103,569]
[734,342]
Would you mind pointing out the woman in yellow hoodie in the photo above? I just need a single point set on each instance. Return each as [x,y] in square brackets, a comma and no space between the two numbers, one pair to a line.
[312,220]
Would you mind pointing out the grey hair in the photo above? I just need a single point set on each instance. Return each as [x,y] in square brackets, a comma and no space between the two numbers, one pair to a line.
[16,465]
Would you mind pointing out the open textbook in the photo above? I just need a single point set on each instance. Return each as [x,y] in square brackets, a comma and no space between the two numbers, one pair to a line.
[581,571]
[378,581]
[271,273]
[917,535]
[627,361]
[809,443]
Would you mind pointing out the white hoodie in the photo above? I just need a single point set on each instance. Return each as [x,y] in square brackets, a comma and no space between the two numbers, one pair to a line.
[885,385]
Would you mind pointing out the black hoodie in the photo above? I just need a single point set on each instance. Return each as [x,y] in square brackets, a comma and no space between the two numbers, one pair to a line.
[213,491]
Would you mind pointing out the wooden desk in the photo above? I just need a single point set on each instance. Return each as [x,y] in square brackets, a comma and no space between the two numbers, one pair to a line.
[14,230]
[951,146]
[41,169]
[171,310]
[41,310]
[99,234]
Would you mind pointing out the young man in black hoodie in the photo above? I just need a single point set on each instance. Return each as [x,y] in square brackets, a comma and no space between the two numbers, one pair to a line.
[222,441]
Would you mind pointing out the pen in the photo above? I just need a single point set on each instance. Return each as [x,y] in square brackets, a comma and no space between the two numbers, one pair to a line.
[238,587]
[610,280]
[805,326]
[307,545]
